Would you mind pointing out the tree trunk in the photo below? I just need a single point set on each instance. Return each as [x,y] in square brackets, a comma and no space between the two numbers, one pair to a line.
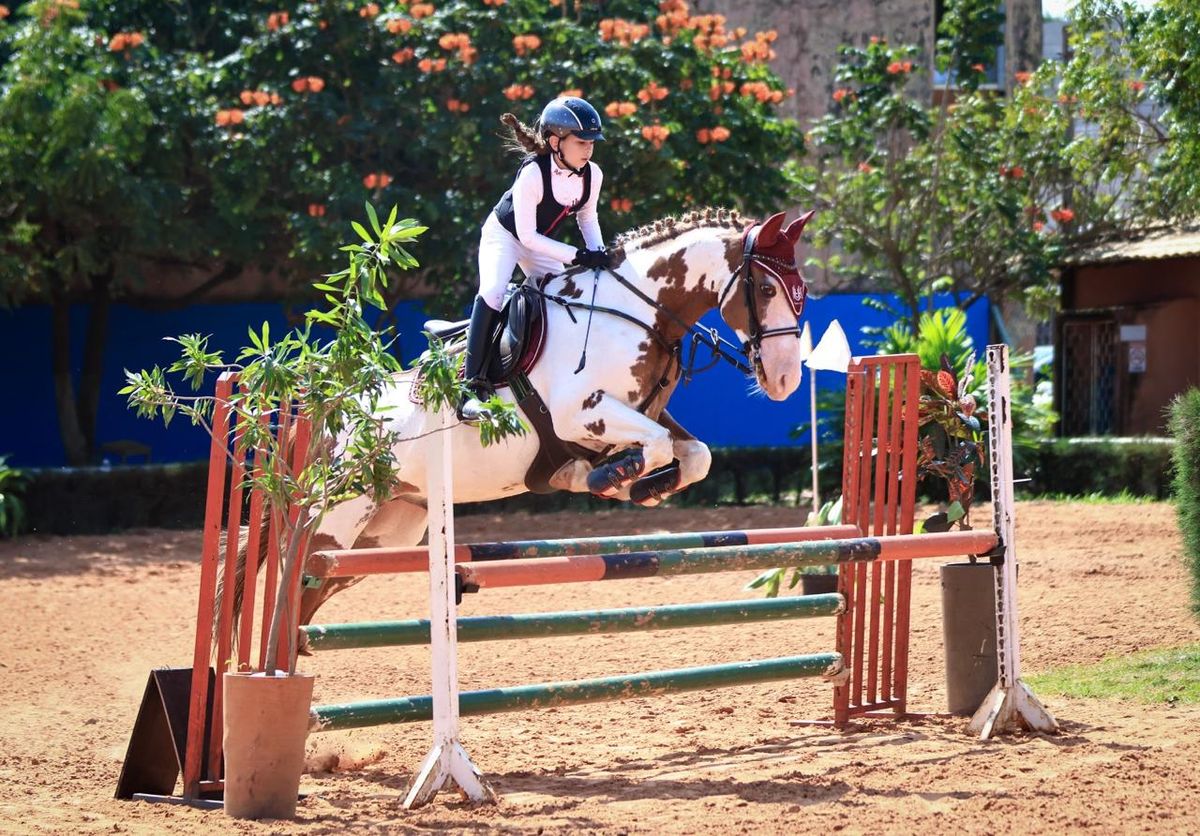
[93,360]
[77,410]
[75,445]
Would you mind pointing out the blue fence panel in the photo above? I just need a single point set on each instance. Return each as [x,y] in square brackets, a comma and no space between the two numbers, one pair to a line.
[716,406]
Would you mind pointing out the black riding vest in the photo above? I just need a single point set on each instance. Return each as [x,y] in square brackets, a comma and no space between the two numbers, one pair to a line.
[550,213]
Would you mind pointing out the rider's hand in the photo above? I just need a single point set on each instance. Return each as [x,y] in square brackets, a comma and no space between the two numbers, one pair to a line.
[593,259]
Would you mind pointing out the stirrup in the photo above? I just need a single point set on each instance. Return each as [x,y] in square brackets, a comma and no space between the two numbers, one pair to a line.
[472,410]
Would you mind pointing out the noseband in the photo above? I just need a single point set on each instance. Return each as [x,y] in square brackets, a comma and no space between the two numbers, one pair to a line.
[775,267]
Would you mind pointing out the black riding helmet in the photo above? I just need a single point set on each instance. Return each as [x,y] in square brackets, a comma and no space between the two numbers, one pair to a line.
[571,115]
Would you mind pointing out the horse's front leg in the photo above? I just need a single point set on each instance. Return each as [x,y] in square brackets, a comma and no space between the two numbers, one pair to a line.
[691,464]
[645,444]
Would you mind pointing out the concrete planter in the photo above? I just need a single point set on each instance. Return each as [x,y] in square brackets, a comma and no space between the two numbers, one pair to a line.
[266,725]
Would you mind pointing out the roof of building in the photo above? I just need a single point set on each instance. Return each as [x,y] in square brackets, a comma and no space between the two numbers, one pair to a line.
[1158,244]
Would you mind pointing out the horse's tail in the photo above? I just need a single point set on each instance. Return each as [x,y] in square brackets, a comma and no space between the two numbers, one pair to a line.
[239,582]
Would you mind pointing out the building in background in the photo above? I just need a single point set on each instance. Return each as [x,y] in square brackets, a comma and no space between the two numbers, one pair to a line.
[1126,340]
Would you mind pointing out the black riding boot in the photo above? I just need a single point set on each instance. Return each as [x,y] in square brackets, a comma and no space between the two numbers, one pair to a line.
[479,338]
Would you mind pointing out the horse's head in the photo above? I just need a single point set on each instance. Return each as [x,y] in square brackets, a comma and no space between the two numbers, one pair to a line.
[763,301]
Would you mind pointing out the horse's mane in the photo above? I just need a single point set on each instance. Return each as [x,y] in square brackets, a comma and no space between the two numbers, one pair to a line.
[669,228]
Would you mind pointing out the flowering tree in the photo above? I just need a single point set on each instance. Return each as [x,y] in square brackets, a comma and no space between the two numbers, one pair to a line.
[983,194]
[237,137]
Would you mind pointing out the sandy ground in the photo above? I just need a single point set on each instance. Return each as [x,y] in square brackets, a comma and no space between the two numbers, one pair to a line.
[85,618]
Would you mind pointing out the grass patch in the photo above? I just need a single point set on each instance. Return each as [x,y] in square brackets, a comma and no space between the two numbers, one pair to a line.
[1124,497]
[1168,677]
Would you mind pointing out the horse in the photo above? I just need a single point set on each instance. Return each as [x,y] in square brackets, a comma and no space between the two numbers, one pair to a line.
[638,317]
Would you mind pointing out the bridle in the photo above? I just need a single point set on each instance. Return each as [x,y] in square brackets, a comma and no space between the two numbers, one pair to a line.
[775,268]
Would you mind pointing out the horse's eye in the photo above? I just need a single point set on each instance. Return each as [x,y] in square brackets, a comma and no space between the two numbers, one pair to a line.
[767,289]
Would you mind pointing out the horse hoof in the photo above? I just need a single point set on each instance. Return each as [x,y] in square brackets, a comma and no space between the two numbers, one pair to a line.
[653,488]
[607,480]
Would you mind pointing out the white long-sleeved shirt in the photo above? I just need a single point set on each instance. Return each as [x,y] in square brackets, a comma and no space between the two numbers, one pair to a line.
[568,189]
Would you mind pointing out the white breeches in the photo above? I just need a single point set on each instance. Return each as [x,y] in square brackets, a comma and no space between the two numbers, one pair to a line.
[499,253]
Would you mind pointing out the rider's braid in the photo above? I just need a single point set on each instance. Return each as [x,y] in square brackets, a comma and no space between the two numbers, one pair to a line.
[522,138]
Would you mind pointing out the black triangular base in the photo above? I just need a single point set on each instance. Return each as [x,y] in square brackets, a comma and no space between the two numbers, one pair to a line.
[158,745]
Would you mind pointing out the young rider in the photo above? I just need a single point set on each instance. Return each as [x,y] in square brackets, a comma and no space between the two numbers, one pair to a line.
[556,179]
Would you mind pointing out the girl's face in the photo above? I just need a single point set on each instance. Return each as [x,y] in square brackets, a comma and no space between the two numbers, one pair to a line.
[576,151]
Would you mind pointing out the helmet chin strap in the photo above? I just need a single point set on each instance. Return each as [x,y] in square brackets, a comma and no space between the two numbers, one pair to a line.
[562,160]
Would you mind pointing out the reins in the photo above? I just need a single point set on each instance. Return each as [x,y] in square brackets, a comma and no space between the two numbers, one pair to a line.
[721,348]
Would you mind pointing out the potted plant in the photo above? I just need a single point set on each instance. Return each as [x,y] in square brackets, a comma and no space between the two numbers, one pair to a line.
[332,372]
[813,580]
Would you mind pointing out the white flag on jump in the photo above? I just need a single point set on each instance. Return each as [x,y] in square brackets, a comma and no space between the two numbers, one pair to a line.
[805,342]
[832,352]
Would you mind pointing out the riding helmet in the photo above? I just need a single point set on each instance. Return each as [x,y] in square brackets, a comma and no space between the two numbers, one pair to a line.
[571,114]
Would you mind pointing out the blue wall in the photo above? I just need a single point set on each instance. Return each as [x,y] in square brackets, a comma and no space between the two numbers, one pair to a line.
[715,406]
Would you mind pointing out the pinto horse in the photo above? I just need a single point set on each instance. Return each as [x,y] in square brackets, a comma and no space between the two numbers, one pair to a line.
[637,321]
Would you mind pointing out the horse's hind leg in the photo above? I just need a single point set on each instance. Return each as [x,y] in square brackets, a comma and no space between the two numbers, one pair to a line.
[399,522]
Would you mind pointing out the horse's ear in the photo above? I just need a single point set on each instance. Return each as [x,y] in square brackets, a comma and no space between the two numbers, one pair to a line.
[769,234]
[797,226]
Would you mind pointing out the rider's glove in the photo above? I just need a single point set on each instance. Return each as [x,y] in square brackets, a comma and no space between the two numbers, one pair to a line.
[593,259]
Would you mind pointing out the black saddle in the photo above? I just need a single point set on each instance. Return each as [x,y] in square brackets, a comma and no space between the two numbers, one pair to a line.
[518,339]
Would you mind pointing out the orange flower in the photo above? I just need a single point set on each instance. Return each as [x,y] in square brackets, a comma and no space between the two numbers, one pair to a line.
[1136,86]
[125,41]
[977,67]
[4,12]
[276,20]
[704,136]
[457,106]
[420,10]
[622,31]
[652,92]
[322,25]
[454,40]
[377,180]
[247,96]
[720,133]
[261,98]
[369,10]
[574,92]
[467,55]
[618,109]
[498,3]
[518,91]
[621,204]
[840,94]
[865,168]
[1038,226]
[896,68]
[1063,215]
[431,65]
[316,84]
[1022,78]
[276,99]
[233,116]
[526,43]
[399,25]
[760,48]
[402,56]
[758,90]
[656,135]
[316,210]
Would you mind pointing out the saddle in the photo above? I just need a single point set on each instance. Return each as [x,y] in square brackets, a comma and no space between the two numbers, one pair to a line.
[516,346]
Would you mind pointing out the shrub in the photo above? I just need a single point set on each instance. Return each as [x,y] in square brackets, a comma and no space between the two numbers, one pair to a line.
[12,509]
[1185,426]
